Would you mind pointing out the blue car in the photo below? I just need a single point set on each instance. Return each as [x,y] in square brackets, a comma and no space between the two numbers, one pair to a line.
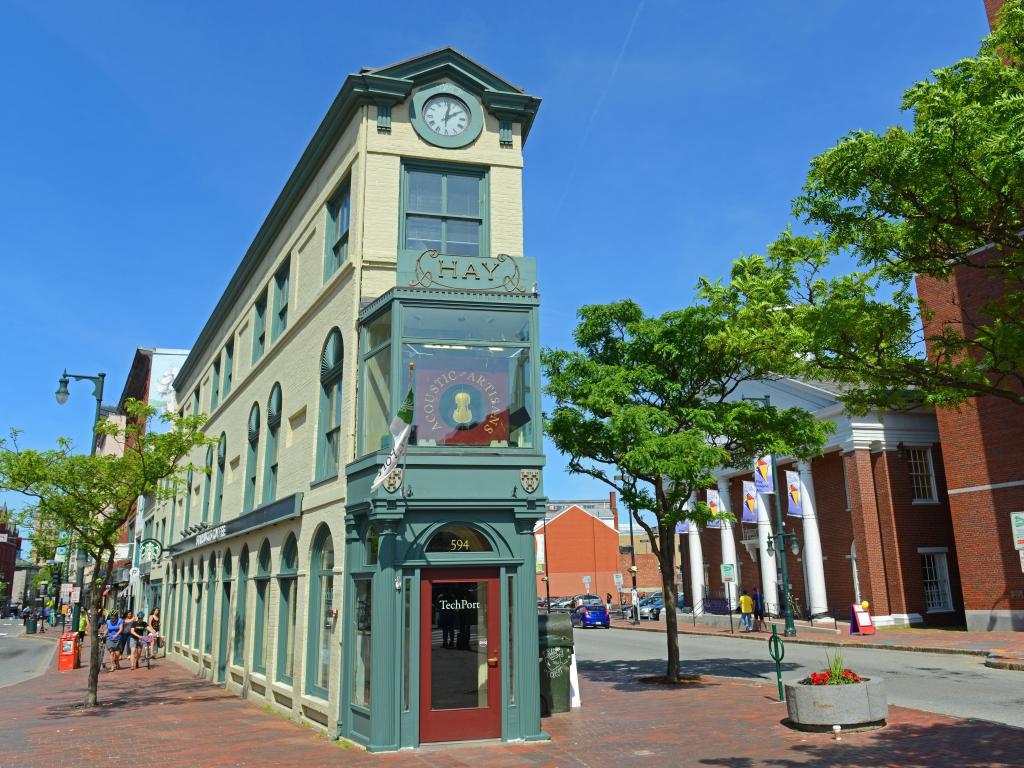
[590,616]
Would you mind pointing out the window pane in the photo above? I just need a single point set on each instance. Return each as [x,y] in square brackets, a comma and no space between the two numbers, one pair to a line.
[459,680]
[378,330]
[468,324]
[471,395]
[288,588]
[323,675]
[463,195]
[363,629]
[422,233]
[424,192]
[463,237]
[458,538]
[377,400]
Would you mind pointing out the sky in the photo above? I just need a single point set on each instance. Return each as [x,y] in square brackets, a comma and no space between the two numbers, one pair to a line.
[142,145]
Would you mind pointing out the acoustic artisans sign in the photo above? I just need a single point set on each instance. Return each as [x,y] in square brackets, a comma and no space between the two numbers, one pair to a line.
[461,407]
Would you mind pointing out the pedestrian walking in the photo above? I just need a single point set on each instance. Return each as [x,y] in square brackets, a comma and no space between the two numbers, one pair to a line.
[115,634]
[124,641]
[154,629]
[758,609]
[746,612]
[634,607]
[83,622]
[139,628]
[608,604]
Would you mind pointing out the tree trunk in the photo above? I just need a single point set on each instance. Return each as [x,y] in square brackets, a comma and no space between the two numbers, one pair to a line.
[91,697]
[667,560]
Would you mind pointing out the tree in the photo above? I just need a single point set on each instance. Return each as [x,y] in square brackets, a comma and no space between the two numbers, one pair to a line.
[91,498]
[930,202]
[644,405]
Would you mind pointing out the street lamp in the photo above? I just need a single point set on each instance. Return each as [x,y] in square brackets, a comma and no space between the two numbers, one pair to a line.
[632,553]
[784,567]
[62,395]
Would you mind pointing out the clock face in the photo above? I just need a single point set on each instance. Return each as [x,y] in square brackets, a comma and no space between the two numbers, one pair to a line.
[446,115]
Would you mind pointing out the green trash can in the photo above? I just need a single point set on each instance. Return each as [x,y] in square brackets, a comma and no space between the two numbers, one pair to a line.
[555,631]
[30,626]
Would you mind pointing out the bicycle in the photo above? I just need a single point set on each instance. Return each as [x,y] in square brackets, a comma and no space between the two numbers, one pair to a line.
[147,650]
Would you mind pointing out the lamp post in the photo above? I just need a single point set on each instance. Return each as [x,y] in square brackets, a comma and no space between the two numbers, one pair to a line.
[784,567]
[62,395]
[632,557]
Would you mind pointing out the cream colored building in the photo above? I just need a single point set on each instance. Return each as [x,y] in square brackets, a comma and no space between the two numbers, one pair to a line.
[254,551]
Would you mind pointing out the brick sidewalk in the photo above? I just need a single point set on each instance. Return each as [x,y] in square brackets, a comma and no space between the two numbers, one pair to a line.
[1009,644]
[167,717]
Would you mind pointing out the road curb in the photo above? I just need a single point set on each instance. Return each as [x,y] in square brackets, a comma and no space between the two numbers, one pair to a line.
[995,661]
[836,644]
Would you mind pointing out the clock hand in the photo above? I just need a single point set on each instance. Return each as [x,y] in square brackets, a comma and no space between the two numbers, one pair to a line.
[448,114]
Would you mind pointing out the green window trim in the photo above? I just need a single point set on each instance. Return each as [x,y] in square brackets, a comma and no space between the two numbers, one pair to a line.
[249,497]
[339,216]
[195,402]
[259,638]
[437,215]
[329,435]
[270,457]
[321,600]
[211,592]
[188,502]
[215,385]
[206,486]
[259,328]
[282,280]
[198,607]
[238,643]
[218,493]
[229,365]
[287,581]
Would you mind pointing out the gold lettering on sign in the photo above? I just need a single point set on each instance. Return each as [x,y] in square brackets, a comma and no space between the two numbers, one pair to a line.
[471,270]
[434,270]
[442,267]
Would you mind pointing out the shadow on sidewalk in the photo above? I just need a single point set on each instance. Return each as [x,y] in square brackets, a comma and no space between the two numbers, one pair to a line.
[117,696]
[623,674]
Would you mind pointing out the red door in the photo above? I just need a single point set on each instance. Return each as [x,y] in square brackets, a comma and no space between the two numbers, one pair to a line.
[460,654]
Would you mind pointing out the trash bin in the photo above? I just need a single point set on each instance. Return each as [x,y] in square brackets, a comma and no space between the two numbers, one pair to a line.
[67,659]
[30,625]
[555,630]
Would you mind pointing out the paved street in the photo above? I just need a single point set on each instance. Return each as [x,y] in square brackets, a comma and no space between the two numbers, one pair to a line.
[948,684]
[22,657]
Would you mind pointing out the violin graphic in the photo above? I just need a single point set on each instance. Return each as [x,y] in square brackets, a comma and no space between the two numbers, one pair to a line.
[462,415]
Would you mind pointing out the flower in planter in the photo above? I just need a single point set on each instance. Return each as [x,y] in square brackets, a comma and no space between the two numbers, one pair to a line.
[836,674]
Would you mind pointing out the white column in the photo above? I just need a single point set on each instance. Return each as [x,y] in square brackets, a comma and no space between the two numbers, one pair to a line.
[696,567]
[814,563]
[728,540]
[769,579]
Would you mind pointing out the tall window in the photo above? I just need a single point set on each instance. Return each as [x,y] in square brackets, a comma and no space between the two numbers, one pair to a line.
[187,637]
[238,649]
[937,595]
[215,385]
[328,449]
[281,281]
[195,402]
[259,638]
[188,501]
[444,210]
[376,396]
[321,601]
[363,636]
[922,475]
[259,328]
[218,490]
[271,451]
[338,211]
[211,591]
[250,461]
[199,607]
[229,367]
[287,581]
[206,485]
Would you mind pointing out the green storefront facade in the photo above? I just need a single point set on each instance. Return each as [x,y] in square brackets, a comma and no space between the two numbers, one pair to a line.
[440,595]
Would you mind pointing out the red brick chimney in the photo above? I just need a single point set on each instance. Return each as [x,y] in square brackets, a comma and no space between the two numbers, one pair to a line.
[992,8]
[615,509]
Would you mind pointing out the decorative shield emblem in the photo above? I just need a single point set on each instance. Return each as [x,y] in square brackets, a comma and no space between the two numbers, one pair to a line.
[394,480]
[529,479]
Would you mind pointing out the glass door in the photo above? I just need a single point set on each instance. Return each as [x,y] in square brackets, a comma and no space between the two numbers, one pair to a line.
[460,659]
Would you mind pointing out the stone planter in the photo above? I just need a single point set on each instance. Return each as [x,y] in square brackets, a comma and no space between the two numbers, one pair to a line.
[819,707]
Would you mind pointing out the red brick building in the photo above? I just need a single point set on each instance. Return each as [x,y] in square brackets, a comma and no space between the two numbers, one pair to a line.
[984,463]
[10,544]
[574,544]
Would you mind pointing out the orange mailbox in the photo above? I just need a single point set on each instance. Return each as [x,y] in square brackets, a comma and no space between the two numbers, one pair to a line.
[67,659]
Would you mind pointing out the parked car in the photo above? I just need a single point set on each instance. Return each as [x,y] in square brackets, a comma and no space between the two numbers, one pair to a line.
[561,602]
[652,606]
[588,599]
[591,615]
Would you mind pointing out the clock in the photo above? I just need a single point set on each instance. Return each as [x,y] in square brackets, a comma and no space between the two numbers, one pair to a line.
[446,115]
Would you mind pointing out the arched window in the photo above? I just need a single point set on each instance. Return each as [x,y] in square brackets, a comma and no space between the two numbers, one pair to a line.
[188,500]
[287,581]
[270,457]
[238,649]
[206,486]
[259,645]
[186,638]
[218,491]
[250,459]
[211,586]
[225,616]
[328,447]
[199,606]
[321,602]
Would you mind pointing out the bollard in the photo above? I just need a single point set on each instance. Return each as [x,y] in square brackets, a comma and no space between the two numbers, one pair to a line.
[777,650]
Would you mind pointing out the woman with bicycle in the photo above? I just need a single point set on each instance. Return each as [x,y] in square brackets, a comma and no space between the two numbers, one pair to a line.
[154,630]
[139,637]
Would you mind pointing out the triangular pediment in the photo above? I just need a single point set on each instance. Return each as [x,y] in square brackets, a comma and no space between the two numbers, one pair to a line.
[446,63]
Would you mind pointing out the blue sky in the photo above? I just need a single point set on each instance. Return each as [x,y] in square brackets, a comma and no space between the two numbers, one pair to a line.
[143,142]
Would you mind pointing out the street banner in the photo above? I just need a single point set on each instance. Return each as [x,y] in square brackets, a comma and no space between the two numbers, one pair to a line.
[763,480]
[793,508]
[539,538]
[401,428]
[715,505]
[749,502]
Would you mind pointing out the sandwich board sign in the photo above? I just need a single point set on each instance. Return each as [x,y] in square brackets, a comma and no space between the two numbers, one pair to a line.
[860,620]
